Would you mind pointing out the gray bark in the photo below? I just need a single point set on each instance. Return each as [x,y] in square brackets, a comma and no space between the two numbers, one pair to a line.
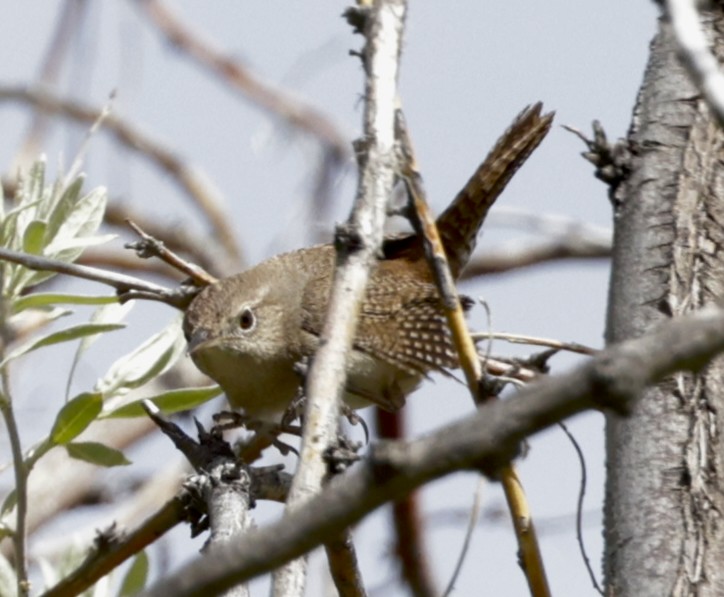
[663,529]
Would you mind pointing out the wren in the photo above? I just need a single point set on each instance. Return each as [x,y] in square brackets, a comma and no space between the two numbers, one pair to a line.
[248,331]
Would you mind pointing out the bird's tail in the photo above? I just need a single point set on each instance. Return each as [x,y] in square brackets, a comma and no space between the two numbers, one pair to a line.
[459,223]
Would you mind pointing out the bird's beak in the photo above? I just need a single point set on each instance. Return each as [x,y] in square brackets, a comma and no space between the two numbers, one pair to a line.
[198,338]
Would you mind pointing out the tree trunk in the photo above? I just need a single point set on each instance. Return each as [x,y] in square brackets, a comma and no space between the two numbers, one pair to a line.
[663,529]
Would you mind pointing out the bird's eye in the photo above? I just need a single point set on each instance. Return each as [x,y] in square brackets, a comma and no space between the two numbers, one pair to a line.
[247,319]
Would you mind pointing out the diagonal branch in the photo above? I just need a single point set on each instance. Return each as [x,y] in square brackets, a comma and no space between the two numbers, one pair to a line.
[613,379]
[127,287]
[274,100]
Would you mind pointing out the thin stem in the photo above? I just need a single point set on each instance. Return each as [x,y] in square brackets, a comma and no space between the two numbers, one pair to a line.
[530,554]
[535,341]
[124,284]
[423,222]
[21,472]
[579,507]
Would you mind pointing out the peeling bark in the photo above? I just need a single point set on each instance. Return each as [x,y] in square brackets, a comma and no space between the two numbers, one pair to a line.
[664,498]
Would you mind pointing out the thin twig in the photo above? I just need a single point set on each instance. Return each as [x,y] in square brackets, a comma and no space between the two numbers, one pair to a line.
[472,523]
[535,341]
[343,565]
[178,237]
[547,224]
[579,507]
[327,375]
[495,514]
[514,257]
[424,224]
[150,246]
[127,262]
[127,286]
[21,488]
[20,470]
[108,555]
[500,367]
[190,179]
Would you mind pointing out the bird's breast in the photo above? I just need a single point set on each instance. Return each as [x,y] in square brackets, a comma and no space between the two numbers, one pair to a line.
[263,389]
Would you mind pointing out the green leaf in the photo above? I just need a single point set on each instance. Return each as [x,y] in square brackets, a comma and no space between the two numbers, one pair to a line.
[9,235]
[53,220]
[75,416]
[66,335]
[32,184]
[10,501]
[109,314]
[96,453]
[82,221]
[62,205]
[105,314]
[136,577]
[33,301]
[33,193]
[170,402]
[34,237]
[2,203]
[63,248]
[5,532]
[153,357]
[36,452]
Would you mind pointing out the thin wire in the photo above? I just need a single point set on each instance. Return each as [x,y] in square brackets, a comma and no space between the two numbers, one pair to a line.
[472,523]
[579,508]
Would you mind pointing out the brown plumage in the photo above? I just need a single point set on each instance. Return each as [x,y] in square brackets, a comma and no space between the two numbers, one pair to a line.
[247,331]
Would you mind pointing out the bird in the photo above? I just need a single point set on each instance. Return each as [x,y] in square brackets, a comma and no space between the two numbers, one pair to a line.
[250,331]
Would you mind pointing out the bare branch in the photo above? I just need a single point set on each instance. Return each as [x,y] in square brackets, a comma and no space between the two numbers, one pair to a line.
[149,246]
[127,287]
[274,100]
[127,262]
[110,552]
[513,257]
[342,558]
[326,380]
[268,483]
[177,236]
[612,380]
[222,483]
[579,508]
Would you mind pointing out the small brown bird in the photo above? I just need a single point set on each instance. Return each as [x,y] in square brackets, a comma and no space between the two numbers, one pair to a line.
[248,331]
